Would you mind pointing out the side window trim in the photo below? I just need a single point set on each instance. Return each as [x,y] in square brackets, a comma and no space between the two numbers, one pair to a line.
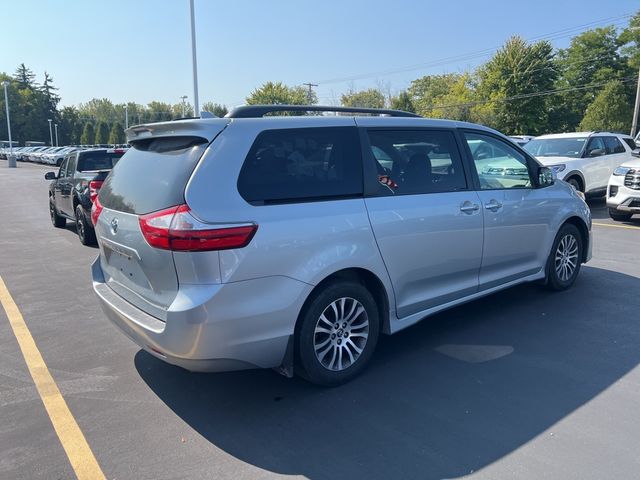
[371,184]
[532,164]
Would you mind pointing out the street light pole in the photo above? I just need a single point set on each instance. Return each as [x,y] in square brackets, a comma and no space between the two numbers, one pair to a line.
[56,126]
[11,160]
[126,116]
[196,105]
[50,132]
[634,122]
[183,97]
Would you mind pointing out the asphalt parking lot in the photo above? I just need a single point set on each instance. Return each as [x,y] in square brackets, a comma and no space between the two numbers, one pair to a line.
[522,384]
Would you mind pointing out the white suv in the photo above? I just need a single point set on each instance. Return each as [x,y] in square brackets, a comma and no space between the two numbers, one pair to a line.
[623,192]
[585,160]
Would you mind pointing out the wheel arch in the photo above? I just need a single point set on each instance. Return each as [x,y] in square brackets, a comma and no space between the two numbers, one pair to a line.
[359,275]
[577,174]
[580,224]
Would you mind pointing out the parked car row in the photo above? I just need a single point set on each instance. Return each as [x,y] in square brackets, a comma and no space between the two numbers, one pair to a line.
[47,155]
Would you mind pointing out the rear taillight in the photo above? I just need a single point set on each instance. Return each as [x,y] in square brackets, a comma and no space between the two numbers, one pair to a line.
[176,229]
[94,189]
[96,210]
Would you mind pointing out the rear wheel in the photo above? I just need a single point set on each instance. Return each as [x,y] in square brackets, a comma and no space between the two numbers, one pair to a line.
[618,216]
[565,259]
[56,220]
[86,233]
[337,334]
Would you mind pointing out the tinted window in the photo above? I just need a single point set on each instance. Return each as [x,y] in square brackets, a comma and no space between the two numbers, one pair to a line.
[63,168]
[152,175]
[89,161]
[416,161]
[498,164]
[302,164]
[630,142]
[596,147]
[613,145]
[71,165]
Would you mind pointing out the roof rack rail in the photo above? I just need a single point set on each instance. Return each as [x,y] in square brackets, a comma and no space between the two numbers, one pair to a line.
[257,111]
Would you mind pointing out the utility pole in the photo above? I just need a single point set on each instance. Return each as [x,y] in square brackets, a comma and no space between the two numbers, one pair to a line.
[11,160]
[50,132]
[196,105]
[636,109]
[56,127]
[310,92]
[126,116]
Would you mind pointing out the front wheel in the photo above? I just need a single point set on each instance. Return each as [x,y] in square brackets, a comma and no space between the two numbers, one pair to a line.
[619,217]
[565,259]
[86,233]
[337,334]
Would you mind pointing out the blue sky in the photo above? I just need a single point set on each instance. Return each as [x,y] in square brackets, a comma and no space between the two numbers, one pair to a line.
[139,50]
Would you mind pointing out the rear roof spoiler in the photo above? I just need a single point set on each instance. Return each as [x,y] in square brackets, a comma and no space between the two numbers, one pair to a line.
[203,128]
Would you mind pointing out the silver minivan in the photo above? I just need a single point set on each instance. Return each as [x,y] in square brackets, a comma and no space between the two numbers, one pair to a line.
[293,242]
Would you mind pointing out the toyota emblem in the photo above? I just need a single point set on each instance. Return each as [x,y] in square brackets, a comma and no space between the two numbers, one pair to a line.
[114,226]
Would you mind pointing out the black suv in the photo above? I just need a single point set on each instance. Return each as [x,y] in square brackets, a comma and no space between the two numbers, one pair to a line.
[75,187]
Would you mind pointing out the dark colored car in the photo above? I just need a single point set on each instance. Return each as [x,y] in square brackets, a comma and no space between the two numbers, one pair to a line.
[75,187]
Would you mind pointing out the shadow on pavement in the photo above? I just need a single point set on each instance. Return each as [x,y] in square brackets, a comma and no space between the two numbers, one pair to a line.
[513,365]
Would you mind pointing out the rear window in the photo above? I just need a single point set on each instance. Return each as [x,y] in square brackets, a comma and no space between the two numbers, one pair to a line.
[152,175]
[89,161]
[302,164]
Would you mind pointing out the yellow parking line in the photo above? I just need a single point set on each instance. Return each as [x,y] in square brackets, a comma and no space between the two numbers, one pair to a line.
[630,227]
[82,460]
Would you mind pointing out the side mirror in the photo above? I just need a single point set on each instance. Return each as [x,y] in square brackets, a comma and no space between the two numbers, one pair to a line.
[546,177]
[50,176]
[596,152]
[636,152]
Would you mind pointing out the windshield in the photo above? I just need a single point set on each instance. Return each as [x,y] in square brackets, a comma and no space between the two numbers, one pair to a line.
[556,147]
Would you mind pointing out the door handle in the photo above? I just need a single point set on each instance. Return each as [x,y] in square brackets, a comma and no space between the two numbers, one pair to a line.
[468,207]
[493,205]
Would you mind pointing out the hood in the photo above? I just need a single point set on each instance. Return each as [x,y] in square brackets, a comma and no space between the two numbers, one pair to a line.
[547,161]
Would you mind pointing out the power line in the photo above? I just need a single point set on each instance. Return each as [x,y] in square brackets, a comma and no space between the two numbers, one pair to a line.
[530,95]
[480,53]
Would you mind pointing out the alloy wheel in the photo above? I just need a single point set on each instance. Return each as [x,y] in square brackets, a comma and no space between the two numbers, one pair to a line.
[566,259]
[341,334]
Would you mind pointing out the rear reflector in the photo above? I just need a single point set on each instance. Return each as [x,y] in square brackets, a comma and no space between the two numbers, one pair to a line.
[96,210]
[176,229]
[94,189]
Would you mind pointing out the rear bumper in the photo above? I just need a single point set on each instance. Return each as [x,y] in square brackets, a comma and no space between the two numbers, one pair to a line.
[212,328]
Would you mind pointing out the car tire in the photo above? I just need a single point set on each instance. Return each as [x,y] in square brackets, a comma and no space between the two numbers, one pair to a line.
[85,231]
[575,183]
[619,217]
[336,334]
[565,258]
[56,220]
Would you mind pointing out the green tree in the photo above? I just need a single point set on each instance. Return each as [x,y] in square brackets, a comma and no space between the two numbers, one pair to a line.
[629,40]
[370,98]
[443,96]
[611,110]
[158,112]
[509,82]
[68,126]
[592,58]
[279,94]
[217,109]
[88,134]
[116,136]
[403,102]
[25,78]
[102,133]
